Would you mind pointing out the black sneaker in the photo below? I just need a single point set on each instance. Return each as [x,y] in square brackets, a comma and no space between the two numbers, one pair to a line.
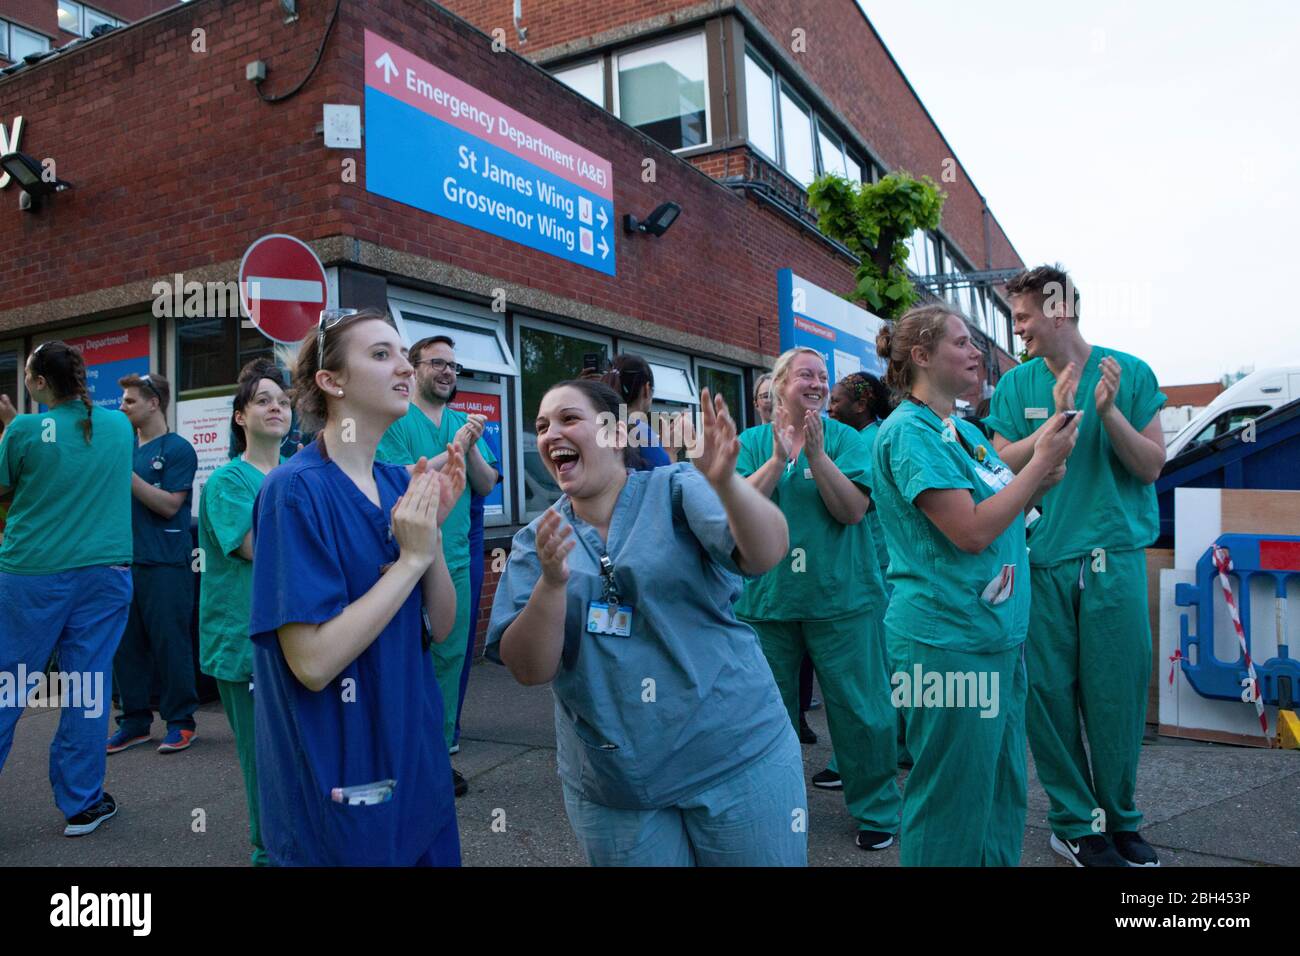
[874,840]
[806,735]
[87,820]
[828,780]
[1135,850]
[1092,850]
[459,784]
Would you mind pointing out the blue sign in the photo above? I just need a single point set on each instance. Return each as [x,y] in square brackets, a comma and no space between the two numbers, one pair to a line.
[434,143]
[843,333]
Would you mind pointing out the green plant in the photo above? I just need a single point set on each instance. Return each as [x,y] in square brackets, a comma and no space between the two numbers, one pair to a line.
[875,220]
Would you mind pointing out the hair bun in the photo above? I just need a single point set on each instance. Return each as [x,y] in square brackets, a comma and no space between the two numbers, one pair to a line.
[885,340]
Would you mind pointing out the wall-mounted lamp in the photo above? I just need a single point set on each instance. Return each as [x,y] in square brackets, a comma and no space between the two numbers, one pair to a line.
[655,224]
[29,175]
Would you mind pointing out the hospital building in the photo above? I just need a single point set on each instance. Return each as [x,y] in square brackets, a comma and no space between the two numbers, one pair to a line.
[551,182]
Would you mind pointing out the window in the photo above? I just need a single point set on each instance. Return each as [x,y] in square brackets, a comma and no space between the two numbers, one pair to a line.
[853,167]
[23,42]
[94,19]
[587,79]
[920,254]
[212,351]
[796,139]
[1226,422]
[729,384]
[70,17]
[662,90]
[832,151]
[546,357]
[760,106]
[4,39]
[11,377]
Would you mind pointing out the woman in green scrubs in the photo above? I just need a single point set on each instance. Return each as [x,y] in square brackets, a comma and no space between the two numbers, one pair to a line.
[260,420]
[953,516]
[827,596]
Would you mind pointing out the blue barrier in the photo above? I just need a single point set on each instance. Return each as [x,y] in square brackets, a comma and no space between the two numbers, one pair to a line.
[1276,557]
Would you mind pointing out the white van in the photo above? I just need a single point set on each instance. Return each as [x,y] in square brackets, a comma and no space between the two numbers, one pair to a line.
[1255,395]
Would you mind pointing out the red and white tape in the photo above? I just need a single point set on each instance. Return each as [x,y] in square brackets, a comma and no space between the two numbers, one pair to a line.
[1224,564]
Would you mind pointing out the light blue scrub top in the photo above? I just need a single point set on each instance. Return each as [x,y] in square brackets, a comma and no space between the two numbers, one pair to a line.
[713,705]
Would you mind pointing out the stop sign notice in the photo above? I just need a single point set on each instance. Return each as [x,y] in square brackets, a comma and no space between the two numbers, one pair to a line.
[282,287]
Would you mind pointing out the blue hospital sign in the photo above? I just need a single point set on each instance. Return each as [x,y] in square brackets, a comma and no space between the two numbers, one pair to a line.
[844,334]
[438,144]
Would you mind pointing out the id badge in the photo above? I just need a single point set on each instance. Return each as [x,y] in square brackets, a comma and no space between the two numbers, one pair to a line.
[612,619]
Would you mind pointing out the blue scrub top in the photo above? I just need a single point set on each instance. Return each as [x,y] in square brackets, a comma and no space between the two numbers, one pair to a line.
[652,454]
[167,462]
[688,699]
[319,546]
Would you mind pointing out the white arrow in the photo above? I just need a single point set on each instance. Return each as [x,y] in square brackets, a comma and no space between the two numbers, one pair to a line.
[604,249]
[386,64]
[604,220]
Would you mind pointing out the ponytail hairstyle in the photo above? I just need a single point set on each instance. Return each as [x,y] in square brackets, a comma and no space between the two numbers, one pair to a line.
[628,375]
[865,387]
[925,325]
[250,376]
[781,372]
[603,399]
[308,397]
[64,369]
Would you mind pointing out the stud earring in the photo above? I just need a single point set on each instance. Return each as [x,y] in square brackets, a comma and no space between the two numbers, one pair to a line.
[340,393]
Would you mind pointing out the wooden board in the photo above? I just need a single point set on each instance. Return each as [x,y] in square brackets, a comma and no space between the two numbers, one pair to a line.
[1246,511]
[1157,560]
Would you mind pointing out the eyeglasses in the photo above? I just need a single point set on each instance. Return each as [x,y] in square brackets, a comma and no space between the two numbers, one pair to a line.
[439,364]
[328,319]
[147,381]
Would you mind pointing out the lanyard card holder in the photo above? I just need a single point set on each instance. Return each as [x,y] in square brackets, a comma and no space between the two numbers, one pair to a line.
[608,616]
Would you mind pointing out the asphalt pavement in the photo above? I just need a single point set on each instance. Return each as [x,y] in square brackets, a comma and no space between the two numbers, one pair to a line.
[1205,804]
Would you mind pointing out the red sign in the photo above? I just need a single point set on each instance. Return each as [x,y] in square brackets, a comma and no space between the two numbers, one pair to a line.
[282,287]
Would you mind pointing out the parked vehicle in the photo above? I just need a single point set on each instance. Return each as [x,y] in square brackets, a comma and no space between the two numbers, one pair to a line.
[1255,395]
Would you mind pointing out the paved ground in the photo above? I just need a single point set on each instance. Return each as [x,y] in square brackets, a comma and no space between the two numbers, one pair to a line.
[1206,804]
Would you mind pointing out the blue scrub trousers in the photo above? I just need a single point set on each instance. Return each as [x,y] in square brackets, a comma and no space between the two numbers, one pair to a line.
[756,817]
[445,849]
[79,613]
[158,633]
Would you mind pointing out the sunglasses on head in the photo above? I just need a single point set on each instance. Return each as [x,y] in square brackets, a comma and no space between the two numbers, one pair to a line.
[328,319]
[147,381]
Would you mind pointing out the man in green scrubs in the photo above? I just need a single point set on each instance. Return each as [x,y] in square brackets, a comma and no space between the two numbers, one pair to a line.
[827,598]
[426,430]
[1089,645]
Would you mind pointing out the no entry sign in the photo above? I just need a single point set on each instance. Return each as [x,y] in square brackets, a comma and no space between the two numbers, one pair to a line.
[282,287]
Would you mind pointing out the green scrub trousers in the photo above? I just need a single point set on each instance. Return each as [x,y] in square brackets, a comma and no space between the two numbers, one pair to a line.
[237,701]
[848,655]
[449,656]
[965,796]
[1089,654]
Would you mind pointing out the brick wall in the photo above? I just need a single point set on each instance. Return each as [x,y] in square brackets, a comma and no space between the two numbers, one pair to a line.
[842,55]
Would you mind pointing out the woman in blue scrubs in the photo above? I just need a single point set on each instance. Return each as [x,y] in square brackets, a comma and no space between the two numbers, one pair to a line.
[352,769]
[674,748]
[634,381]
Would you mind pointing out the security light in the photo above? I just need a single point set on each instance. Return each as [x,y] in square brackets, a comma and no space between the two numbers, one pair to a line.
[29,174]
[657,223]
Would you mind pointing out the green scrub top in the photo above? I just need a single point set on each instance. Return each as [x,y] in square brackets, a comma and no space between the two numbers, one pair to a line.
[831,570]
[873,515]
[943,596]
[1099,503]
[414,436]
[226,584]
[167,462]
[72,500]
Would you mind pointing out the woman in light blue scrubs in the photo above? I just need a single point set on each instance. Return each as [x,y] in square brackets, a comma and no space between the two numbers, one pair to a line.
[352,768]
[674,748]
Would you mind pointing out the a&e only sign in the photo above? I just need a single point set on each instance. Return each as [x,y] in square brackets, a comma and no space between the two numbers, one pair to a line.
[438,144]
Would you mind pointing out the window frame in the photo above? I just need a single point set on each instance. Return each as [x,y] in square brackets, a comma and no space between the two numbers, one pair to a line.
[617,56]
[454,312]
[668,358]
[774,79]
[107,18]
[739,415]
[80,30]
[784,87]
[15,28]
[820,129]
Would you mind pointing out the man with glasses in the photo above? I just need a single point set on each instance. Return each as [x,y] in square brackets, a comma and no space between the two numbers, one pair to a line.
[429,425]
[158,629]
